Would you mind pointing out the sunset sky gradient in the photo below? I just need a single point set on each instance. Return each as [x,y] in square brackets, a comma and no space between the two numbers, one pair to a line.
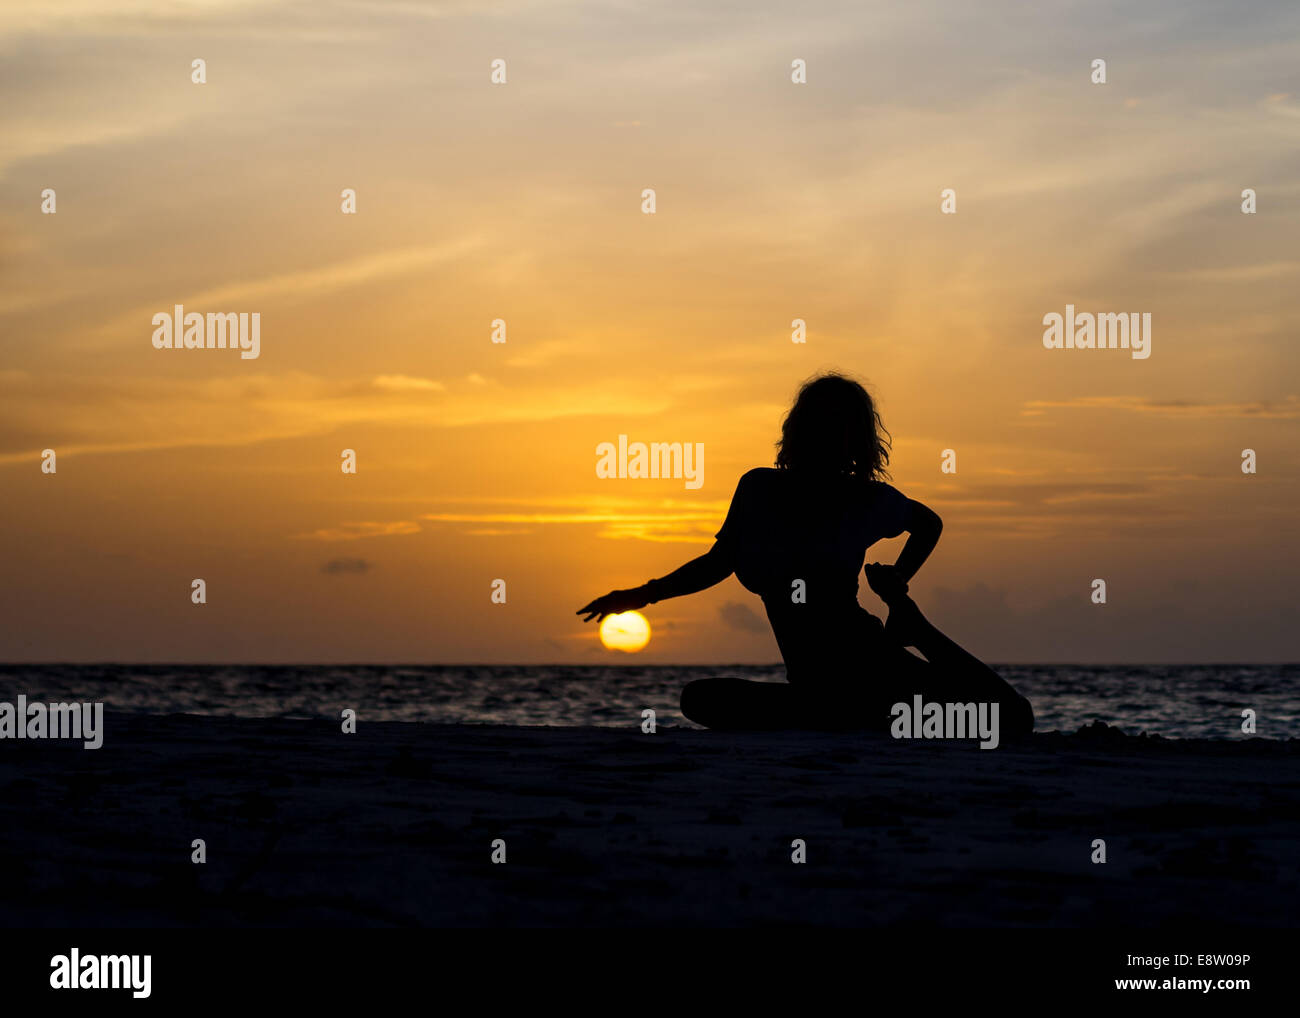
[522,202]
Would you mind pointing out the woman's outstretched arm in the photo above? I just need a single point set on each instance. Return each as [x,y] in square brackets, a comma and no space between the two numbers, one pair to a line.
[712,567]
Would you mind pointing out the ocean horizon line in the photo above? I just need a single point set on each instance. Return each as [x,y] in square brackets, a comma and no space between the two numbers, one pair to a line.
[609,664]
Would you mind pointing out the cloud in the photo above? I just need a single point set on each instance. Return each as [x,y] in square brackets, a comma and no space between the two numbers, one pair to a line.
[742,617]
[660,520]
[1288,408]
[405,383]
[143,414]
[1242,273]
[338,566]
[678,527]
[358,531]
[535,355]
[328,278]
[979,607]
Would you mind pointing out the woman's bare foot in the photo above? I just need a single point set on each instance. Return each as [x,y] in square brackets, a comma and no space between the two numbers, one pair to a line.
[886,582]
[906,624]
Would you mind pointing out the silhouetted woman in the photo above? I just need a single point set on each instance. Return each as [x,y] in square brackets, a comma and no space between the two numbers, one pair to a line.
[796,536]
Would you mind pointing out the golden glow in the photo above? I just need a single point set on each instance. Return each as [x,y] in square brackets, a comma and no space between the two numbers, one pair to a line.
[626,631]
[477,459]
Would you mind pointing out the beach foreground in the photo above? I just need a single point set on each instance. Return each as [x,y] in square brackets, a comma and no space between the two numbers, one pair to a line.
[395,825]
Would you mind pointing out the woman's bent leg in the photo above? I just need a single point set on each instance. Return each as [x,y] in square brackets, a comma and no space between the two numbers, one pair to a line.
[951,674]
[745,705]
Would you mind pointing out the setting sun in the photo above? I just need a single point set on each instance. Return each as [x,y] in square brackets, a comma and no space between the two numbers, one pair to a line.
[626,631]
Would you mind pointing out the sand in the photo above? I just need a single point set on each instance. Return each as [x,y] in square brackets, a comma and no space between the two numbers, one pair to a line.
[394,826]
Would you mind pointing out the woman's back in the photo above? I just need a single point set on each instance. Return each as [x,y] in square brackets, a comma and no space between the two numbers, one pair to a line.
[783,525]
[798,540]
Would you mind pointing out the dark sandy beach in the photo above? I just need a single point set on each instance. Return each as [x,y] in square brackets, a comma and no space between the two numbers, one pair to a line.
[394,826]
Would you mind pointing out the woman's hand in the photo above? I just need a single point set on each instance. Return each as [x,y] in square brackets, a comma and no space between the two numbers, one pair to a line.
[887,581]
[614,602]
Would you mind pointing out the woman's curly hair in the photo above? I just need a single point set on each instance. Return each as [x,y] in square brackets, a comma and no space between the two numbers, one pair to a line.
[834,428]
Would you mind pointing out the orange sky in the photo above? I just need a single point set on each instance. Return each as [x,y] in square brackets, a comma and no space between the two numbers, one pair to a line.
[522,202]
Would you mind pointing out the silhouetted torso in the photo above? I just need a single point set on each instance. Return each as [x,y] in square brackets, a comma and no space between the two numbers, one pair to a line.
[783,527]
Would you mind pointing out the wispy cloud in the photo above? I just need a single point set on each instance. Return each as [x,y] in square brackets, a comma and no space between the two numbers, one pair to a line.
[361,531]
[150,414]
[1241,273]
[405,383]
[342,566]
[1285,409]
[739,616]
[681,527]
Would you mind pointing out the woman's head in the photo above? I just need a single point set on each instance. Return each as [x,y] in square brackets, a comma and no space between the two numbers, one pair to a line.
[834,428]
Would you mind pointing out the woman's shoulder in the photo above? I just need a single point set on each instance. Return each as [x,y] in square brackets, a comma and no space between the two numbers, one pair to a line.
[882,489]
[767,478]
[757,486]
[886,507]
[761,476]
[881,496]
[758,479]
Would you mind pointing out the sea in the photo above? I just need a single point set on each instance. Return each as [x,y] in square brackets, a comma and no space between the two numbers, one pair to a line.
[1177,701]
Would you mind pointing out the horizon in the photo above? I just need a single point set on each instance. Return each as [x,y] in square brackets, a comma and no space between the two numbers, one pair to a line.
[612,664]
